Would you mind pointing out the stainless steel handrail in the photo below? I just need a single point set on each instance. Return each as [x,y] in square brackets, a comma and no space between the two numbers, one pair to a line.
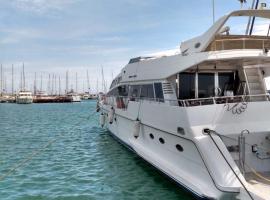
[191,102]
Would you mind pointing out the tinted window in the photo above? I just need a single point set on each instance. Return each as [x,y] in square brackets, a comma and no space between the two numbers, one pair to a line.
[147,91]
[123,90]
[158,91]
[134,91]
[206,85]
[186,86]
[226,82]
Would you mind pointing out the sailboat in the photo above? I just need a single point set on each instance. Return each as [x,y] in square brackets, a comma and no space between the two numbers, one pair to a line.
[24,96]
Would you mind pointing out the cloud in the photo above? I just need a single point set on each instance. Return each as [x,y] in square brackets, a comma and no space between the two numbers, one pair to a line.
[41,6]
[11,36]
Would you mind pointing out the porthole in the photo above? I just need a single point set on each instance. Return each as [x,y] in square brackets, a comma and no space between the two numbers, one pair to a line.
[151,136]
[179,147]
[161,140]
[197,45]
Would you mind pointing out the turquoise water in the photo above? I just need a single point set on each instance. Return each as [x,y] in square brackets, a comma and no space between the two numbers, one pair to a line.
[82,161]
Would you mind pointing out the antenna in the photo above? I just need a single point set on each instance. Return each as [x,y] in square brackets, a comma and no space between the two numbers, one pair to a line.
[213,10]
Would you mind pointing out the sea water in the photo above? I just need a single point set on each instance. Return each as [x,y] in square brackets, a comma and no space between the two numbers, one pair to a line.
[59,151]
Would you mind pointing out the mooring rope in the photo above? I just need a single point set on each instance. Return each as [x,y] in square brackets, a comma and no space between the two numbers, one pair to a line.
[24,161]
[257,173]
[39,150]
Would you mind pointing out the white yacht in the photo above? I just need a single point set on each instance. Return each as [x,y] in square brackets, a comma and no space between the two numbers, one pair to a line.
[74,97]
[24,97]
[200,116]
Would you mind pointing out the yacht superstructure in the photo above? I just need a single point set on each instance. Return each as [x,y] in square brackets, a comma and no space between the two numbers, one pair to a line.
[24,97]
[200,116]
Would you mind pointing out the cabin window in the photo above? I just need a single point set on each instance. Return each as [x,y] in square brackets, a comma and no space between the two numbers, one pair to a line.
[206,85]
[123,90]
[226,83]
[159,92]
[186,85]
[134,92]
[147,91]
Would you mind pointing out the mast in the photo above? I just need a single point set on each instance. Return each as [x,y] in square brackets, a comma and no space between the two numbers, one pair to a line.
[41,82]
[88,83]
[213,10]
[59,86]
[1,81]
[23,79]
[103,81]
[52,84]
[76,85]
[66,81]
[12,80]
[97,87]
[253,18]
[49,82]
[35,83]
[249,19]
[55,86]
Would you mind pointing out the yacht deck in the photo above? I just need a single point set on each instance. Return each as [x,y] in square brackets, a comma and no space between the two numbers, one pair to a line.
[259,184]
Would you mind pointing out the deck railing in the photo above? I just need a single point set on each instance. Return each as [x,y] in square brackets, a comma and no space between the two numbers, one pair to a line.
[123,101]
[233,42]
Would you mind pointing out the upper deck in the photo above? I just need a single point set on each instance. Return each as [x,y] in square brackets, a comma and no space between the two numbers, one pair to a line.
[229,42]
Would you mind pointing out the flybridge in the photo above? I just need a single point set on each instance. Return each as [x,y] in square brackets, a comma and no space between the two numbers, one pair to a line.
[202,42]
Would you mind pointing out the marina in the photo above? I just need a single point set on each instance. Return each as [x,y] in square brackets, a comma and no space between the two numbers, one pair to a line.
[135,100]
[84,163]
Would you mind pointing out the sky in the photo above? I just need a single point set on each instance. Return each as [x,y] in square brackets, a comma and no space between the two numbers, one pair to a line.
[53,36]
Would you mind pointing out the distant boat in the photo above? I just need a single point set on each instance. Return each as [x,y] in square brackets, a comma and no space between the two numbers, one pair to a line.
[74,97]
[24,97]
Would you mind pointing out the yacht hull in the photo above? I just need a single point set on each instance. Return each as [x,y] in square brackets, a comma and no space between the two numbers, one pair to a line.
[186,167]
[24,100]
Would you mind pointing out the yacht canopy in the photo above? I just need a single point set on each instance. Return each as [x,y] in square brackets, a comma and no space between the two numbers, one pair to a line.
[200,43]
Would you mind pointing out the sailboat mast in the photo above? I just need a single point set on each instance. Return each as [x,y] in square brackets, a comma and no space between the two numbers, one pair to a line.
[97,87]
[35,83]
[66,82]
[23,78]
[1,81]
[41,82]
[76,86]
[12,79]
[59,86]
[88,83]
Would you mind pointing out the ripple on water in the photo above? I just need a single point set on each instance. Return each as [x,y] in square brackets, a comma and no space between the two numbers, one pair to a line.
[84,162]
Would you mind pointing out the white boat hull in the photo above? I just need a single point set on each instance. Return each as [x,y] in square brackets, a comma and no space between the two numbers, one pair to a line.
[186,168]
[24,100]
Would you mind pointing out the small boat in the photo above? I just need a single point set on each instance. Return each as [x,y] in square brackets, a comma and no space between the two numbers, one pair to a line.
[24,97]
[74,97]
